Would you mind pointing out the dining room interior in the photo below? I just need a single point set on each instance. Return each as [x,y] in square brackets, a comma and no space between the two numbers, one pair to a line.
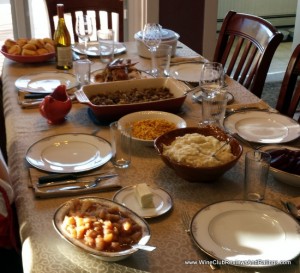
[212,208]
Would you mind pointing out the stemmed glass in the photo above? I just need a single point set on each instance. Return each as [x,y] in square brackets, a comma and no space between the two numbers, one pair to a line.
[84,29]
[152,39]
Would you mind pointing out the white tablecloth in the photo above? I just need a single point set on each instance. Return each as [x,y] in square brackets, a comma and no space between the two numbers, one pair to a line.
[43,249]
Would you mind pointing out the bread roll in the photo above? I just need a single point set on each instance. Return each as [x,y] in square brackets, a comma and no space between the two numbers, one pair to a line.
[50,47]
[22,41]
[9,43]
[41,43]
[14,50]
[42,51]
[30,47]
[48,40]
[27,52]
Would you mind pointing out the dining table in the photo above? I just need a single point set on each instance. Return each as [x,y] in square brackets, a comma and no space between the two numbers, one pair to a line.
[43,249]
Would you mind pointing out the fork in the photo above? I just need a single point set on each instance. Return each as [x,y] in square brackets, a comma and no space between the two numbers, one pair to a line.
[186,221]
[88,185]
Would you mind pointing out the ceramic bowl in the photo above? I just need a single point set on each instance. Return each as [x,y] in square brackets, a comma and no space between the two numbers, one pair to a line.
[105,203]
[282,176]
[27,59]
[198,174]
[142,115]
[105,113]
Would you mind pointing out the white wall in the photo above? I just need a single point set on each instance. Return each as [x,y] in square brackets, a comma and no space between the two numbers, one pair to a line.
[296,39]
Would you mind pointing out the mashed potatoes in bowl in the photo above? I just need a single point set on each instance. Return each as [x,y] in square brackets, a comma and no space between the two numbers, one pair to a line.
[189,152]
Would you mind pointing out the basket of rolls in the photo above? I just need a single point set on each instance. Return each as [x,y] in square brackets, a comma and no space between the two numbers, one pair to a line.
[29,50]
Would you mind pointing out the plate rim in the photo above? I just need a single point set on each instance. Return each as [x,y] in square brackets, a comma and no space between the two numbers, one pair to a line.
[28,89]
[183,64]
[43,168]
[120,50]
[131,187]
[243,202]
[296,125]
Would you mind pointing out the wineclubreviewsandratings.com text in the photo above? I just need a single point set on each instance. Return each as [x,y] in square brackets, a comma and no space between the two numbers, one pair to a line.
[238,263]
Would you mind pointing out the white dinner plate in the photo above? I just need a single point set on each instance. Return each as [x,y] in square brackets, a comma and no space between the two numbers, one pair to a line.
[161,199]
[246,233]
[263,127]
[69,153]
[189,72]
[93,49]
[142,115]
[46,82]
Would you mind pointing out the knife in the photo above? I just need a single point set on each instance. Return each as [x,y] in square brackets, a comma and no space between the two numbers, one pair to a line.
[67,176]
[71,181]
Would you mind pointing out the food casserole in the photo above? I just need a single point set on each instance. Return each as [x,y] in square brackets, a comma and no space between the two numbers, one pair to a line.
[116,111]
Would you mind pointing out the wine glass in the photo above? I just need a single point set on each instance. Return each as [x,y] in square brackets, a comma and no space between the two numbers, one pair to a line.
[84,29]
[152,39]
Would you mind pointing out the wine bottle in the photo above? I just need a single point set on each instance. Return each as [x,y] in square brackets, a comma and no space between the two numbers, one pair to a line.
[62,41]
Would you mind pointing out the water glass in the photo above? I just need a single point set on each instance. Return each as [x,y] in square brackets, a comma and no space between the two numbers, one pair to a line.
[106,45]
[82,70]
[211,76]
[257,165]
[121,144]
[213,108]
[161,61]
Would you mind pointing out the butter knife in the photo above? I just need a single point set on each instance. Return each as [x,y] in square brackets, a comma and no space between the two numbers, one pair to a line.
[72,181]
[65,176]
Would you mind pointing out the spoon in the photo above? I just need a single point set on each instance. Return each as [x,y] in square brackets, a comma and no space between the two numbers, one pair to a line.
[144,247]
[218,150]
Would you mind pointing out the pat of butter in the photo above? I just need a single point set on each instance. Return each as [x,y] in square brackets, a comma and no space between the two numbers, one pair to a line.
[144,195]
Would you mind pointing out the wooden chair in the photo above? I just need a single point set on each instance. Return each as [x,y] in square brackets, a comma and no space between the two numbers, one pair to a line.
[108,13]
[245,46]
[289,95]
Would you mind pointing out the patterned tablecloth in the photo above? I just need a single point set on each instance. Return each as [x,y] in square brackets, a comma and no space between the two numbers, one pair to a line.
[45,251]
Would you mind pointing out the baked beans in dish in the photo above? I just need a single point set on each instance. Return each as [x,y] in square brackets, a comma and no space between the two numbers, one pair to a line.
[100,225]
[132,96]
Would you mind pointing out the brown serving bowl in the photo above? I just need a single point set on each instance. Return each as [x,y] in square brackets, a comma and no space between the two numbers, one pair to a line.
[198,174]
[116,111]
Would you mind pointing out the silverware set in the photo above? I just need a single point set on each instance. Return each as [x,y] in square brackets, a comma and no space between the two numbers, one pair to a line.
[186,221]
[72,184]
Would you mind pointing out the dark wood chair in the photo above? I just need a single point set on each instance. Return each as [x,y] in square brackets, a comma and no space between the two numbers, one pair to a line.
[245,46]
[114,9]
[289,95]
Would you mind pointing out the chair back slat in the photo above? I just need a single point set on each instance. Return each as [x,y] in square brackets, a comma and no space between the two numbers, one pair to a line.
[252,30]
[107,14]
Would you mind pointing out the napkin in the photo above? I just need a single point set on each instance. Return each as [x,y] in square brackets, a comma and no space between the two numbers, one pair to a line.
[261,105]
[105,185]
[176,60]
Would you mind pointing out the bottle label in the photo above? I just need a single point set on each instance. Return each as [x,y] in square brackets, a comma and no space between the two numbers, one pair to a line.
[64,56]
